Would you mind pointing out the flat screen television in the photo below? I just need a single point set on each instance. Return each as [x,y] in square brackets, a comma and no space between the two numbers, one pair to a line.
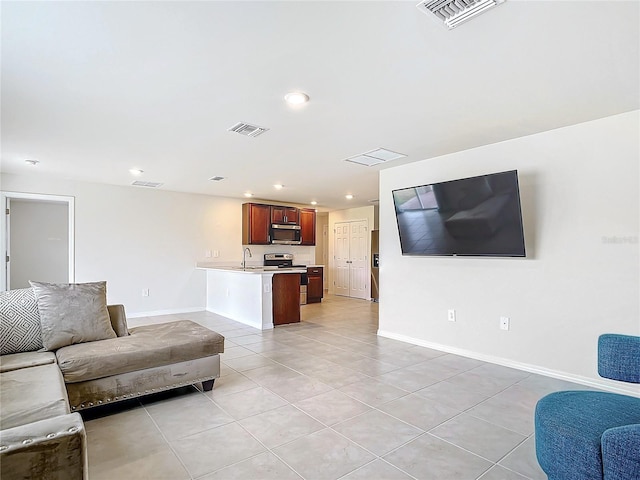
[476,216]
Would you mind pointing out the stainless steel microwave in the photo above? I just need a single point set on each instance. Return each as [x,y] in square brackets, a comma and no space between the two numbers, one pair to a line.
[285,234]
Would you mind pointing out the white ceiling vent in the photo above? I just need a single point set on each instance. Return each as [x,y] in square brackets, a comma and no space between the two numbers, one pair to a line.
[247,129]
[375,157]
[140,183]
[455,12]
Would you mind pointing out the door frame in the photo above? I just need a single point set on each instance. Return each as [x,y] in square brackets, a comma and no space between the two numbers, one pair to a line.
[4,228]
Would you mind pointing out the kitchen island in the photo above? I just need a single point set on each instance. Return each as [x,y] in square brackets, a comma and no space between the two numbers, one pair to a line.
[247,295]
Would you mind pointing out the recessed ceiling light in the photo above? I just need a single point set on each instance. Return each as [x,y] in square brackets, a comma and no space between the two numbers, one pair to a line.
[314,203]
[136,171]
[278,186]
[348,197]
[32,163]
[247,194]
[296,98]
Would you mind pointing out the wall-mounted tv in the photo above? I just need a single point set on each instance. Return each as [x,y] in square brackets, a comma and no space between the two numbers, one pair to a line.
[476,216]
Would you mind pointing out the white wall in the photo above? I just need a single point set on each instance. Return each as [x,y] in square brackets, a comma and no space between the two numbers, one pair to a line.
[137,238]
[39,234]
[579,188]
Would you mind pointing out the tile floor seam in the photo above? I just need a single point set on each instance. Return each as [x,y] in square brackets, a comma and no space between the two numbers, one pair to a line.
[493,464]
[167,441]
[526,435]
[236,421]
[378,459]
[509,453]
[320,421]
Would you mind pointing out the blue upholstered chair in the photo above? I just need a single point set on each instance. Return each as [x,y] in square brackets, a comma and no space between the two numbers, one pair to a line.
[584,435]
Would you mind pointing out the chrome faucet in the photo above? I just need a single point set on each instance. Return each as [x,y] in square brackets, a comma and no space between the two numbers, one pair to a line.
[244,260]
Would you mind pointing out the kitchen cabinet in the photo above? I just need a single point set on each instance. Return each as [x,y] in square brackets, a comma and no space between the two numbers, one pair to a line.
[308,226]
[315,290]
[284,215]
[286,298]
[256,221]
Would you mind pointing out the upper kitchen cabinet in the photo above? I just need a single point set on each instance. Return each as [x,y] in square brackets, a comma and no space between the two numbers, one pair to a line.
[282,215]
[308,226]
[256,221]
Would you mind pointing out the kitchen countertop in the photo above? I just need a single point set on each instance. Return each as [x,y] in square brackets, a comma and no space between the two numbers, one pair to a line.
[252,269]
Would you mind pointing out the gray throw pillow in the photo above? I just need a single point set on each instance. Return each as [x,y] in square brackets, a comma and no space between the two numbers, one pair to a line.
[19,322]
[72,313]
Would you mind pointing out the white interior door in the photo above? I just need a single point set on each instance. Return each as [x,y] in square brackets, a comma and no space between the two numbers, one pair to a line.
[341,279]
[351,259]
[358,257]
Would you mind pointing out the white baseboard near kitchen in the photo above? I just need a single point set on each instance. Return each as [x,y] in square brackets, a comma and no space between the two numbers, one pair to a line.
[629,389]
[155,313]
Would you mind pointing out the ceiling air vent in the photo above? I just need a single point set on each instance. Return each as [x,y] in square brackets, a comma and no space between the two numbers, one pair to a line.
[247,129]
[140,183]
[455,12]
[375,157]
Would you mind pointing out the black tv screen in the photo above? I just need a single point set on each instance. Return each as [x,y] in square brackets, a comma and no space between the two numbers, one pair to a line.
[477,216]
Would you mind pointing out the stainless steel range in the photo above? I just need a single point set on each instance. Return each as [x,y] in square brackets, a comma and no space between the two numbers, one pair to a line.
[285,260]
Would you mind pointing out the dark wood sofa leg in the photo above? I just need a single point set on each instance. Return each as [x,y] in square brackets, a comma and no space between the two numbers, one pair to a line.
[207,385]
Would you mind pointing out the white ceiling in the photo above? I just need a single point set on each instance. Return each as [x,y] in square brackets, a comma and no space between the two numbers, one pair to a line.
[92,89]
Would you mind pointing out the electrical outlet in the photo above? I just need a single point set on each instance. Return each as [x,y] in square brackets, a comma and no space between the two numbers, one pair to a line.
[216,253]
[451,315]
[145,292]
[504,323]
[207,254]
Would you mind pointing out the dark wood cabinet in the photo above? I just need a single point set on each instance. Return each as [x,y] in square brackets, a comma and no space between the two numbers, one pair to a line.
[256,221]
[284,215]
[285,290]
[315,286]
[308,226]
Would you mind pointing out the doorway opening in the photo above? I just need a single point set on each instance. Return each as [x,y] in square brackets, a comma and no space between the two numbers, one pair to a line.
[37,239]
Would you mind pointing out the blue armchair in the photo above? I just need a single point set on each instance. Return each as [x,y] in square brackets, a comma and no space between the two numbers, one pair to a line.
[585,435]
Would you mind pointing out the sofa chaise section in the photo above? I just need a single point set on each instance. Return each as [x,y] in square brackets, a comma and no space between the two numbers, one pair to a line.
[149,359]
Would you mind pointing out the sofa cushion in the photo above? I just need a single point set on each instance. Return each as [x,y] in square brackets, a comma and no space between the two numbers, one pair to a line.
[145,347]
[31,394]
[569,426]
[16,361]
[19,322]
[72,313]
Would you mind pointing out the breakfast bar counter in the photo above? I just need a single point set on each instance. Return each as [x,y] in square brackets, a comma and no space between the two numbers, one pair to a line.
[246,294]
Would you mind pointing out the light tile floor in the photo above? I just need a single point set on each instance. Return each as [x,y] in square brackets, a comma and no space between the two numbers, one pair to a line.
[326,399]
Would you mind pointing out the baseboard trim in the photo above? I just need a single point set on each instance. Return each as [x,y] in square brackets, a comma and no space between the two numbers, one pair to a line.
[173,311]
[590,382]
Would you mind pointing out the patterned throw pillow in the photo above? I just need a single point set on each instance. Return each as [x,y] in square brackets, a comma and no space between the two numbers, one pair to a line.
[19,322]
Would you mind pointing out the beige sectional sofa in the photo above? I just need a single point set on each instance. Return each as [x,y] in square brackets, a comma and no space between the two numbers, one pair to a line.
[41,434]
